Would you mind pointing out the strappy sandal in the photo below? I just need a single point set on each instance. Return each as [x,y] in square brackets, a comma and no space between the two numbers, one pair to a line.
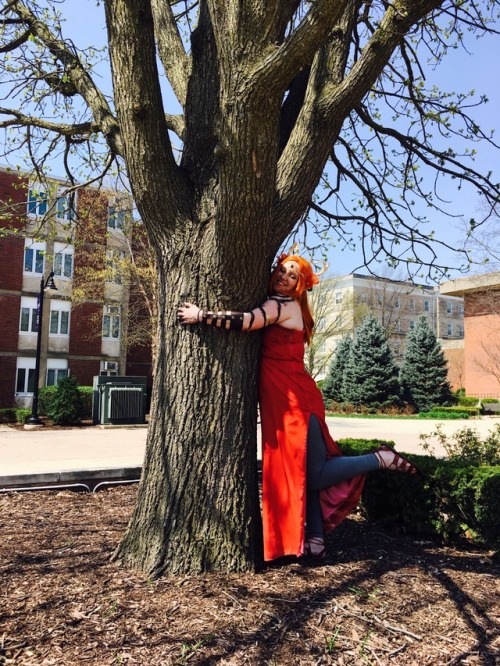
[398,463]
[315,547]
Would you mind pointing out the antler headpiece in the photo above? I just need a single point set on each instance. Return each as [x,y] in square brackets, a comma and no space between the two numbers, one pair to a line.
[308,277]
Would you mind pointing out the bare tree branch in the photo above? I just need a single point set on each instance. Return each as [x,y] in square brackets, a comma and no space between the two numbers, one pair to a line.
[171,49]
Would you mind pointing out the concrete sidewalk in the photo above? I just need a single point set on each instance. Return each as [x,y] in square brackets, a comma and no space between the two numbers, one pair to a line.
[95,454]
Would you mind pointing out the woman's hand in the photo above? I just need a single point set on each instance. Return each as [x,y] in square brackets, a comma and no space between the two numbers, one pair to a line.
[189,313]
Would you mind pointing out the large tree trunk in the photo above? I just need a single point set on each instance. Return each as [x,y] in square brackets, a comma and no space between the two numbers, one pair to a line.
[199,484]
[198,506]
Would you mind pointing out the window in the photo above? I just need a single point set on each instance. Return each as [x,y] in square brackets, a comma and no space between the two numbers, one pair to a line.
[25,375]
[37,201]
[57,368]
[34,254]
[111,322]
[116,216]
[65,207]
[460,331]
[427,306]
[411,325]
[28,322]
[114,265]
[411,304]
[63,260]
[449,307]
[460,308]
[397,302]
[338,297]
[59,318]
[449,329]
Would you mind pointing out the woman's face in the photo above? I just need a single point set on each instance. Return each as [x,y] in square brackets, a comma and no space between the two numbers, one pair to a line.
[287,278]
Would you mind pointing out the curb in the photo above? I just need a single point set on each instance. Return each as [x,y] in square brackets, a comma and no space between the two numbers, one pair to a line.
[89,479]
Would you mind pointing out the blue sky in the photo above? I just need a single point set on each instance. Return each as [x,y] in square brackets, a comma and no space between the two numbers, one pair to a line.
[463,71]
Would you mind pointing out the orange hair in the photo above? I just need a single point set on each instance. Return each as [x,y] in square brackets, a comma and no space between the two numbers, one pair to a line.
[306,281]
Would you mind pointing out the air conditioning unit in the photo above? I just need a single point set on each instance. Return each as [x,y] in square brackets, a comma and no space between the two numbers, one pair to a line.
[109,369]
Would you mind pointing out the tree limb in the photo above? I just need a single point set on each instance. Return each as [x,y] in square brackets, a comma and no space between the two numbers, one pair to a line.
[64,129]
[176,62]
[103,117]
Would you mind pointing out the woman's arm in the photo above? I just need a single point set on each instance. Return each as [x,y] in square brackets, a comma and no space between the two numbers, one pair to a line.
[270,312]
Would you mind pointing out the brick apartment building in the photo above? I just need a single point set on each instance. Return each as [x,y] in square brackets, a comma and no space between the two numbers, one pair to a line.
[478,362]
[83,238]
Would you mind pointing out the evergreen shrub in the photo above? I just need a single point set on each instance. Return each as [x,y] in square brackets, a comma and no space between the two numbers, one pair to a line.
[67,405]
[47,393]
[452,501]
[458,409]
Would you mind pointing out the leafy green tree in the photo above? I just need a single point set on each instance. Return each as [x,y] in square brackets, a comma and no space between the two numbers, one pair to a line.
[370,374]
[332,386]
[424,372]
[267,93]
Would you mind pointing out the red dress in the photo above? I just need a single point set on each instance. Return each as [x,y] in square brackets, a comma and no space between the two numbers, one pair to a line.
[288,397]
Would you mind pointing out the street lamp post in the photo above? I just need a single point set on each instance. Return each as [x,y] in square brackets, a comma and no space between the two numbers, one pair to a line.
[45,285]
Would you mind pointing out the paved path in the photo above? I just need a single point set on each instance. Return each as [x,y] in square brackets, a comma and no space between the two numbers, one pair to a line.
[94,454]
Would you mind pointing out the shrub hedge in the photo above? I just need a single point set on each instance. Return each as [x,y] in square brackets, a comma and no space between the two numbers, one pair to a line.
[453,501]
[48,393]
[14,414]
[440,414]
[460,409]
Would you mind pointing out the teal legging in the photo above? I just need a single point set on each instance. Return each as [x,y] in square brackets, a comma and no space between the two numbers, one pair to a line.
[322,472]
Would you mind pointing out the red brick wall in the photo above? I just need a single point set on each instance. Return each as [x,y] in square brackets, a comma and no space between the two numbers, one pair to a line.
[83,340]
[7,380]
[13,196]
[84,371]
[11,262]
[9,332]
[482,343]
[456,367]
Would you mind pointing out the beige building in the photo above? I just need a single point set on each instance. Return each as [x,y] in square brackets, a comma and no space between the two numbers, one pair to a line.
[342,303]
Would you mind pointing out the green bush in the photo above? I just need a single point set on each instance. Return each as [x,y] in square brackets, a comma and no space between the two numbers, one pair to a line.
[45,396]
[487,401]
[468,401]
[87,393]
[466,445]
[47,393]
[440,414]
[471,411]
[14,415]
[66,406]
[453,500]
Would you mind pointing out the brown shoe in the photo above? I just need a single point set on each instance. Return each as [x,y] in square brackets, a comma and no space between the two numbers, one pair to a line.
[397,463]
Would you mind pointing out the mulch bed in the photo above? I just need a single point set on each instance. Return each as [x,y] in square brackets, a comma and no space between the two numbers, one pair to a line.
[378,599]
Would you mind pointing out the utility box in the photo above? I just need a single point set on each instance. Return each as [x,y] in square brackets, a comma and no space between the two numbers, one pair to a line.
[119,400]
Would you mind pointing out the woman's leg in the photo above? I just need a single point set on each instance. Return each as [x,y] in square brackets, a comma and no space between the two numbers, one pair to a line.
[323,472]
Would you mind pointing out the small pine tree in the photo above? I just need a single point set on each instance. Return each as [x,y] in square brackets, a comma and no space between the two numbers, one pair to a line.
[67,404]
[332,386]
[370,374]
[424,372]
